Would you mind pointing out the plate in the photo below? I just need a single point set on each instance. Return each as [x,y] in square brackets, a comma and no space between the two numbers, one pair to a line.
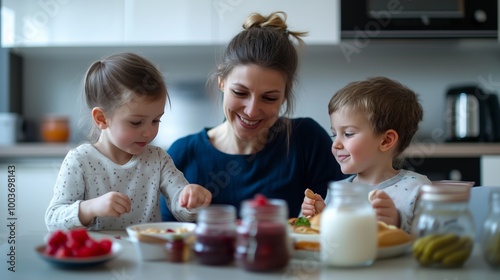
[80,262]
[304,237]
[393,251]
[305,254]
[382,253]
[133,230]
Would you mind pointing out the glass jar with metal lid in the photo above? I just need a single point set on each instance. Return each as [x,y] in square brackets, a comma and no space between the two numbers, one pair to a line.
[491,232]
[443,229]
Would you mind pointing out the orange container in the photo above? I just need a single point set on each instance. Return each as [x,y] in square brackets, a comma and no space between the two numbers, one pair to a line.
[55,129]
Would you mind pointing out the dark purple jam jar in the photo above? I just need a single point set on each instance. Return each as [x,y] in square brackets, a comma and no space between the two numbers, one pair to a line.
[216,235]
[262,242]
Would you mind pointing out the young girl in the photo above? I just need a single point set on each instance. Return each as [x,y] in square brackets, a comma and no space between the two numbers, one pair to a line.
[116,181]
[373,122]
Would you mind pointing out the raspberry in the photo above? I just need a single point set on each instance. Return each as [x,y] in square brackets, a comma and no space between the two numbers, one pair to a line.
[63,252]
[57,238]
[259,200]
[79,235]
[106,245]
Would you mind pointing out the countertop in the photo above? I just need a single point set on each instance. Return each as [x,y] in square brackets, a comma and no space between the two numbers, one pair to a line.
[421,149]
[430,150]
[35,150]
[126,265]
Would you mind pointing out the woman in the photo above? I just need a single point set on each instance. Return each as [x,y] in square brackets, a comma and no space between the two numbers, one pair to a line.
[258,149]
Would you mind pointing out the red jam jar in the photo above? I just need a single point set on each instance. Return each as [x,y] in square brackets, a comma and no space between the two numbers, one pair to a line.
[262,242]
[216,235]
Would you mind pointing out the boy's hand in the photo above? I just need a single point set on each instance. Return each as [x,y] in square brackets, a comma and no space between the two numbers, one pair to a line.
[194,196]
[111,204]
[313,204]
[384,208]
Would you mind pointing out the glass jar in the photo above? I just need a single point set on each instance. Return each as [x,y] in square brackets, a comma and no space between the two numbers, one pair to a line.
[348,227]
[491,232]
[443,228]
[216,235]
[262,242]
[177,251]
[55,129]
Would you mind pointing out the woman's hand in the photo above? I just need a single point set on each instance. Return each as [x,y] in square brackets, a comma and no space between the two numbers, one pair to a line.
[313,204]
[384,208]
[194,196]
[111,204]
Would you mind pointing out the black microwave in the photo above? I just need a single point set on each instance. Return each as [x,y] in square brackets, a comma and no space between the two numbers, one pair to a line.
[419,19]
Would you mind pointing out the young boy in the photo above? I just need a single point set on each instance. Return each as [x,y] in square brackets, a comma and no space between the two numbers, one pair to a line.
[373,122]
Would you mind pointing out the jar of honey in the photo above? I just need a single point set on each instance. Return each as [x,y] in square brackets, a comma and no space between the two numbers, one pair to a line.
[55,128]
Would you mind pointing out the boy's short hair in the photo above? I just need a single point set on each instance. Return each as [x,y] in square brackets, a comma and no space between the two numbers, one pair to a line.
[386,103]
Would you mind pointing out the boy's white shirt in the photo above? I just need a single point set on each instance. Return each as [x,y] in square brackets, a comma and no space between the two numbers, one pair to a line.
[404,191]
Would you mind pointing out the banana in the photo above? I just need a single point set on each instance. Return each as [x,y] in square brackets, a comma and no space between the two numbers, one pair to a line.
[424,260]
[419,244]
[462,243]
[437,243]
[492,250]
[495,246]
[457,258]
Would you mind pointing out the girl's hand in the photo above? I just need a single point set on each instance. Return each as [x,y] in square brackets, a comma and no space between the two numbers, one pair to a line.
[111,204]
[384,208]
[313,204]
[194,196]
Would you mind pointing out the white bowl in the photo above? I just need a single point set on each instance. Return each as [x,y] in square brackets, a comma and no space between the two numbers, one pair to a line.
[155,250]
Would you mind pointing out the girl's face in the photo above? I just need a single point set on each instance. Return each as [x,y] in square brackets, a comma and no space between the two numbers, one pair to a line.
[252,99]
[134,125]
[355,146]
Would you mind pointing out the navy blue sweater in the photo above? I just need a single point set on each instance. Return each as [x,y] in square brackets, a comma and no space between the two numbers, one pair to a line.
[274,171]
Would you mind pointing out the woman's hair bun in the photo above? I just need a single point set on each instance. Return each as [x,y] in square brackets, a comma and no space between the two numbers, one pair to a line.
[276,20]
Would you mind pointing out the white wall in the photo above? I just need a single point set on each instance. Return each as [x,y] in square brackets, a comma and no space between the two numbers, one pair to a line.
[53,79]
[428,68]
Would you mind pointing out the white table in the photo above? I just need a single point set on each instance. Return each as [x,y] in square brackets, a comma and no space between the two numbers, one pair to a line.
[127,266]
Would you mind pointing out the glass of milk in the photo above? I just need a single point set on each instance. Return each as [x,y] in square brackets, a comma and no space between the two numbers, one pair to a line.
[348,227]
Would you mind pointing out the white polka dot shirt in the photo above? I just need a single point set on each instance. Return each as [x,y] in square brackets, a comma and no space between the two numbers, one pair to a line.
[86,173]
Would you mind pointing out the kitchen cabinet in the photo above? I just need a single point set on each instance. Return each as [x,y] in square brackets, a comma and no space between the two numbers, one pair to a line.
[320,18]
[34,184]
[34,23]
[476,162]
[490,175]
[155,22]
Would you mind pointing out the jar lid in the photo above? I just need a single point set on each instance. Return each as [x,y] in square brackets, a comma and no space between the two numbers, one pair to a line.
[447,191]
[268,209]
[218,214]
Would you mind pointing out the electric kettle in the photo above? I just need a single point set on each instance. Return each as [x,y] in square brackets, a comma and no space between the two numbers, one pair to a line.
[473,115]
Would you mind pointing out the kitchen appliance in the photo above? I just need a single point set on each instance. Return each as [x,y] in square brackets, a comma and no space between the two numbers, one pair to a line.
[446,168]
[11,83]
[473,115]
[369,19]
[9,123]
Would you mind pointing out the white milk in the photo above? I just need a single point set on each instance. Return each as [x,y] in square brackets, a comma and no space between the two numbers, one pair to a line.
[348,236]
